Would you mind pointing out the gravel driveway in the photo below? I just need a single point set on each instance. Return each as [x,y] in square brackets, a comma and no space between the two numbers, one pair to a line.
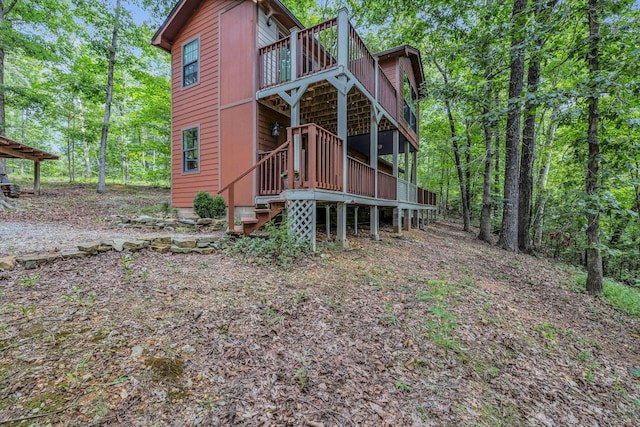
[21,238]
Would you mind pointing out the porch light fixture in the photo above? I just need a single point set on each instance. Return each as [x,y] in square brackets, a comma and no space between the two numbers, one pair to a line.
[275,129]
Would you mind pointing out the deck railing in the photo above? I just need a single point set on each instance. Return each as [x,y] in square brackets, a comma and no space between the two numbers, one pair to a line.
[360,178]
[318,46]
[361,62]
[270,173]
[320,157]
[387,186]
[317,49]
[387,95]
[275,63]
[426,197]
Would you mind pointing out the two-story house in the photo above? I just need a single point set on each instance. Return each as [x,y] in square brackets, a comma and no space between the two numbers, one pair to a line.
[273,116]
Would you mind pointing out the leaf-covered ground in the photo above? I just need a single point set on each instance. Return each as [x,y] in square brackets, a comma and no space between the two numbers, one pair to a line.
[434,328]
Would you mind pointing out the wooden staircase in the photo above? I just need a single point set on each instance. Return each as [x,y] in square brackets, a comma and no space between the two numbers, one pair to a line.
[264,214]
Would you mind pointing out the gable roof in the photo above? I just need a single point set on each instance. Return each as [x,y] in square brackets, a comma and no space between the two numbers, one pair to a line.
[412,53]
[184,10]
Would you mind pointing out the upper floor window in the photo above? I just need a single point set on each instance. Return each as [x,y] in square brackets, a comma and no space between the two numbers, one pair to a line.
[190,60]
[410,102]
[190,150]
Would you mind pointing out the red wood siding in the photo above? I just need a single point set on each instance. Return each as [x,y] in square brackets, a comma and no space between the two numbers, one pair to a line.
[197,105]
[266,118]
[238,27]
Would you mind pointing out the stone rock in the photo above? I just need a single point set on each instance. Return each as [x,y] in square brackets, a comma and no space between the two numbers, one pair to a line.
[105,246]
[118,244]
[7,263]
[91,247]
[206,239]
[32,261]
[163,240]
[185,242]
[162,249]
[72,253]
[203,251]
[204,221]
[135,245]
[187,349]
[170,222]
[137,351]
[187,221]
[179,250]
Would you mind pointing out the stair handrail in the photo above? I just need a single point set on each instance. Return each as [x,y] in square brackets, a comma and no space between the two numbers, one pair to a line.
[231,186]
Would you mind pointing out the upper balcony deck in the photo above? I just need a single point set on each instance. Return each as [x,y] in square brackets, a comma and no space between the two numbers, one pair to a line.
[330,45]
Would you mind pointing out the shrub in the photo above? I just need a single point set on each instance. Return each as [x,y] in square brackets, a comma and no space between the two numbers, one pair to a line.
[280,248]
[206,206]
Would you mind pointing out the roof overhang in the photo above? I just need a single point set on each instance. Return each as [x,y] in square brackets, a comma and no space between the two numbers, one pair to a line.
[10,149]
[184,10]
[409,51]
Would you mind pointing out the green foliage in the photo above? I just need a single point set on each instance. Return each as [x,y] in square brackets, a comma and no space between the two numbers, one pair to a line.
[280,248]
[206,206]
[620,296]
[27,281]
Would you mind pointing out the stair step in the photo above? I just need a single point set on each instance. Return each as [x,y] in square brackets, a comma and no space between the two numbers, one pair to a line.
[249,220]
[237,230]
[262,211]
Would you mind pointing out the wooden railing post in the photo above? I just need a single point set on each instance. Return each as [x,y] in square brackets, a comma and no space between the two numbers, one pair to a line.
[343,37]
[312,145]
[231,217]
[293,55]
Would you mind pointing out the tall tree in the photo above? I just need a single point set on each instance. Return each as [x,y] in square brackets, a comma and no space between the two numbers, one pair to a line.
[466,215]
[102,187]
[5,10]
[594,257]
[509,234]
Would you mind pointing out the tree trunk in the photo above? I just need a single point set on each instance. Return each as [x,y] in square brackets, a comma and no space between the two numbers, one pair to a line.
[485,214]
[85,144]
[594,257]
[102,187]
[466,218]
[467,162]
[526,162]
[496,151]
[541,196]
[509,234]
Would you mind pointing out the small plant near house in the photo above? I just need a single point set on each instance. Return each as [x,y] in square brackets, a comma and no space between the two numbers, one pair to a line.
[280,248]
[302,373]
[441,329]
[27,281]
[206,206]
[404,387]
[77,298]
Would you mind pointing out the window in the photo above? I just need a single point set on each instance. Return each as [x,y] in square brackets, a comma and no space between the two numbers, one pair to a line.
[190,150]
[190,68]
[409,104]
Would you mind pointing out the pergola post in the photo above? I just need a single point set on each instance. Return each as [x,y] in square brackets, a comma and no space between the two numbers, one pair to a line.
[36,178]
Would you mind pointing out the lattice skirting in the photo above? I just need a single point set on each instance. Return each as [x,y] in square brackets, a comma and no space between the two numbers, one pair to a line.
[301,217]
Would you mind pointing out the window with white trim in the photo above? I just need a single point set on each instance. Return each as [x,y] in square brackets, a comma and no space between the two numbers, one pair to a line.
[190,150]
[190,62]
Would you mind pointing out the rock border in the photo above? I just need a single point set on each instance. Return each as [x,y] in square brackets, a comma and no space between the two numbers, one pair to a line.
[169,224]
[203,245]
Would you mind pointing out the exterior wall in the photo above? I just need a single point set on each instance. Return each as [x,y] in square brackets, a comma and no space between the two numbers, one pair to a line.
[266,118]
[267,34]
[237,98]
[197,105]
[404,66]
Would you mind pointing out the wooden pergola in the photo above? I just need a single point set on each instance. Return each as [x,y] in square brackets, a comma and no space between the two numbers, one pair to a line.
[10,149]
